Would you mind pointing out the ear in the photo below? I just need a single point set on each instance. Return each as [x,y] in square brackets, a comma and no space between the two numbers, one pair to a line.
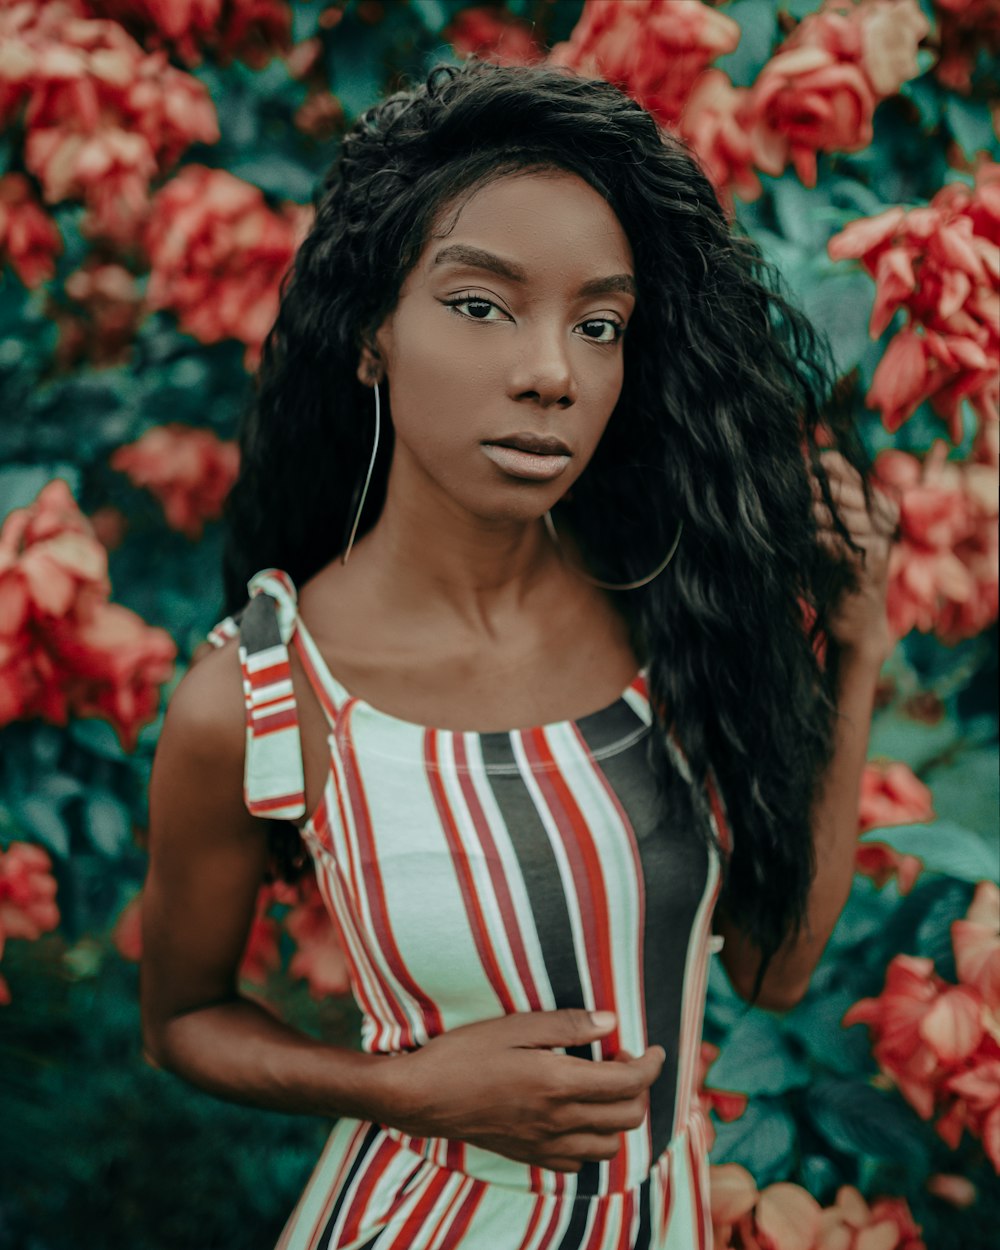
[370,368]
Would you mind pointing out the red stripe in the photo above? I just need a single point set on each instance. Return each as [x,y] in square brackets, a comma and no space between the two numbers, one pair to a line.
[725,833]
[598,1227]
[280,670]
[338,1180]
[282,800]
[464,1216]
[536,1215]
[501,888]
[698,1200]
[668,1196]
[404,1239]
[272,722]
[464,876]
[375,1168]
[375,891]
[322,694]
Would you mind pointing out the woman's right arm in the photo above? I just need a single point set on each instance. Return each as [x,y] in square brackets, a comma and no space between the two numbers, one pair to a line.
[207,859]
[498,1083]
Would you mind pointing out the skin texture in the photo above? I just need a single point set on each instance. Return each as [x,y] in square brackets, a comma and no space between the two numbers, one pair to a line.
[457,611]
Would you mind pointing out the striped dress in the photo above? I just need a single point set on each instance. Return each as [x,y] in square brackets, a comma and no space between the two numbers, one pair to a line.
[474,874]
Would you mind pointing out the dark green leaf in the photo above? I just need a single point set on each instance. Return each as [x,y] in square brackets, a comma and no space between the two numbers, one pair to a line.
[762,1139]
[856,1118]
[756,1059]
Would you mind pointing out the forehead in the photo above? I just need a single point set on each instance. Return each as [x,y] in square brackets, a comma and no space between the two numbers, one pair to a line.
[546,221]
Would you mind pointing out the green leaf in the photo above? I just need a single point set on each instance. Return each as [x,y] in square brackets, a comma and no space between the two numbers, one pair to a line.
[816,1024]
[755,1059]
[758,34]
[762,1139]
[840,305]
[971,125]
[107,823]
[277,176]
[944,847]
[40,819]
[856,1118]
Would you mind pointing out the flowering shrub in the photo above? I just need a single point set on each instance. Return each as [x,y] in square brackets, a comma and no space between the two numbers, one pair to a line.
[155,171]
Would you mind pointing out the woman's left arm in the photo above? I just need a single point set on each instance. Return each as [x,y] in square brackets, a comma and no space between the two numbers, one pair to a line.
[859,631]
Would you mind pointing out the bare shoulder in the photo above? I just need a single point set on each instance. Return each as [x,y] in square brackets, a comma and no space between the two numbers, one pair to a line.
[205,715]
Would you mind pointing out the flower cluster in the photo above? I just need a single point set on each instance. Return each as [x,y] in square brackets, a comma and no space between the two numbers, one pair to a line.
[218,254]
[964,26]
[63,647]
[941,264]
[787,1217]
[890,795]
[945,566]
[102,117]
[29,240]
[653,49]
[940,1043]
[727,1104]
[319,956]
[27,897]
[252,31]
[189,470]
[819,91]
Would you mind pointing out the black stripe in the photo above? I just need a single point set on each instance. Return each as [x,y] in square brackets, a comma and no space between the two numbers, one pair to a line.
[371,1136]
[674,865]
[259,624]
[543,883]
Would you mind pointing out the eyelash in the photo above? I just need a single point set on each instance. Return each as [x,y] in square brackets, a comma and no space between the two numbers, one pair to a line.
[479,299]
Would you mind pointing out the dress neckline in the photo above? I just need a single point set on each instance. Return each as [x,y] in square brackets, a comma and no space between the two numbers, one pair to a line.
[339,697]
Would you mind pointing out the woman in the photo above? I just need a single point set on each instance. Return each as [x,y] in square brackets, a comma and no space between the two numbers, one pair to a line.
[547,637]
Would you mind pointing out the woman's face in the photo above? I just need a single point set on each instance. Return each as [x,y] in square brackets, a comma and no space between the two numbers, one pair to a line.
[507,328]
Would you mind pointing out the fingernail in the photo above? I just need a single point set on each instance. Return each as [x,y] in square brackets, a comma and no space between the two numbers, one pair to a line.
[603,1019]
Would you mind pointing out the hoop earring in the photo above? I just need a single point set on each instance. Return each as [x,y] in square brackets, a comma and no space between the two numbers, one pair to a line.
[368,478]
[643,581]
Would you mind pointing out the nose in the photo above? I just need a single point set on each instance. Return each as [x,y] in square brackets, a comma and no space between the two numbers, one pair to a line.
[543,371]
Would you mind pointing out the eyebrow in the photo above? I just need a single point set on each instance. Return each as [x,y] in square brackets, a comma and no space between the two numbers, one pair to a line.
[477,258]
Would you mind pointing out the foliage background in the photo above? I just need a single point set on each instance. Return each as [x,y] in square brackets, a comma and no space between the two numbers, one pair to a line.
[97,1149]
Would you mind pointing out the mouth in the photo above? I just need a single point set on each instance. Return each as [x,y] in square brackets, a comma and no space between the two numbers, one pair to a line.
[536,444]
[529,457]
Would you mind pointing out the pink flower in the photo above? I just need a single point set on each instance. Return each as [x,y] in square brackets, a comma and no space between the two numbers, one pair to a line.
[189,470]
[653,49]
[727,1104]
[319,957]
[27,897]
[943,569]
[891,794]
[882,863]
[733,1194]
[959,1191]
[493,36]
[29,239]
[107,311]
[714,123]
[261,956]
[976,941]
[218,255]
[965,26]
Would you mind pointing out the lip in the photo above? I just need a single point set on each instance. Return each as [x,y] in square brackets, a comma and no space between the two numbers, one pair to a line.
[527,440]
[526,465]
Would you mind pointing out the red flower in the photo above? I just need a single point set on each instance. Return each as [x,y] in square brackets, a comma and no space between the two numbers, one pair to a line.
[819,91]
[63,647]
[976,940]
[653,49]
[891,794]
[942,266]
[727,1104]
[107,311]
[27,897]
[493,35]
[218,255]
[29,239]
[189,470]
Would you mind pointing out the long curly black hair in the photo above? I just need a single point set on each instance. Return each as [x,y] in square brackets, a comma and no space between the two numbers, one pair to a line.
[728,394]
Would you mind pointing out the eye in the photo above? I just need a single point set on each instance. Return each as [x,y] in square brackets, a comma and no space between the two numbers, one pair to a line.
[474,301]
[604,323]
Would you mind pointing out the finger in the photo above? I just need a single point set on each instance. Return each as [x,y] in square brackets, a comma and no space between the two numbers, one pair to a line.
[569,1026]
[602,1117]
[612,1082]
[588,1147]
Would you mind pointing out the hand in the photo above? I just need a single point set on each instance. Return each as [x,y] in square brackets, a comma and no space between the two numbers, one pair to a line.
[497,1084]
[859,621]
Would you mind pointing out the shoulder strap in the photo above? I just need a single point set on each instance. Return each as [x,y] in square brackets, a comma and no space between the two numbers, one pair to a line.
[273,781]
